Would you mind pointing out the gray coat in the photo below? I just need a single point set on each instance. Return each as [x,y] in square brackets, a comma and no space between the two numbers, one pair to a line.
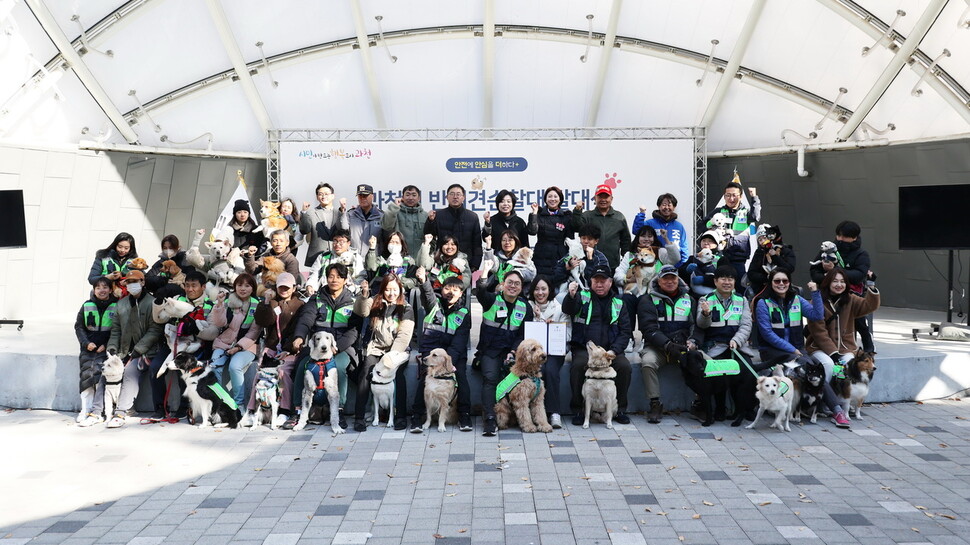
[409,220]
[362,228]
[133,328]
[317,225]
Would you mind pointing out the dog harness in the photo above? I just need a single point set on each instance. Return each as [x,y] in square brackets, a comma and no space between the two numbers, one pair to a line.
[721,368]
[588,371]
[267,381]
[782,389]
[511,381]
[218,390]
[838,370]
[453,379]
[320,370]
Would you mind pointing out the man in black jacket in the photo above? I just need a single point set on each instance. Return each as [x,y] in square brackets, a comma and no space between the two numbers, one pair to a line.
[599,316]
[459,222]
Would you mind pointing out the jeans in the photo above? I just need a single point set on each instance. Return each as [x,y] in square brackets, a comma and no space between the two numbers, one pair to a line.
[550,374]
[238,364]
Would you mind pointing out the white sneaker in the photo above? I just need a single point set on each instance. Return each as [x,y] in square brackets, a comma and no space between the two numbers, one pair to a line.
[556,421]
[90,419]
[247,419]
[116,422]
[280,420]
[80,417]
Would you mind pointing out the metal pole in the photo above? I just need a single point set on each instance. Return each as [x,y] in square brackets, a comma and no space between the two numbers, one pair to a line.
[949,287]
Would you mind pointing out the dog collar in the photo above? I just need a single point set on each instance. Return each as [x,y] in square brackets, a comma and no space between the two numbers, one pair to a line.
[373,381]
[449,376]
[782,389]
[112,382]
[613,378]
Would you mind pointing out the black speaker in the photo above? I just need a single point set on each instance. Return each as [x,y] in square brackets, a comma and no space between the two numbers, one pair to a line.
[13,225]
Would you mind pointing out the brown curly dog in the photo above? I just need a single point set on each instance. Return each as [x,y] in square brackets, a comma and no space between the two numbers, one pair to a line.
[523,404]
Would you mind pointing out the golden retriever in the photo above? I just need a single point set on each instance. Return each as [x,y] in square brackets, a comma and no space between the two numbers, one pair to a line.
[440,390]
[525,402]
[599,388]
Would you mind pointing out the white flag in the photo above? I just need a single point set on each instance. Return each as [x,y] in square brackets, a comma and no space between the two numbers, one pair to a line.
[226,216]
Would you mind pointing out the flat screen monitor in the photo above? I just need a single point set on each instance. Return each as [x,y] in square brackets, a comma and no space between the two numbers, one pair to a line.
[13,226]
[930,217]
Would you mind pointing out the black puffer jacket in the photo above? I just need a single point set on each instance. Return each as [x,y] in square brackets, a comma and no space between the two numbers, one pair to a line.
[498,224]
[854,260]
[551,232]
[758,276]
[154,278]
[462,224]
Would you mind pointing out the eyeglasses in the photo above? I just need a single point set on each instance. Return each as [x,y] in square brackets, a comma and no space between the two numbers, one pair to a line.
[780,281]
[513,284]
[456,194]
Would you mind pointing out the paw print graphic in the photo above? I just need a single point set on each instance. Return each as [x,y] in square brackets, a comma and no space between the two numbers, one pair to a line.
[611,180]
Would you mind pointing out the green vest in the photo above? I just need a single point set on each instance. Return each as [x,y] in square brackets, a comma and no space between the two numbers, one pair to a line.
[94,319]
[437,321]
[721,368]
[503,269]
[740,219]
[510,381]
[586,298]
[109,265]
[731,316]
[251,314]
[337,318]
[681,309]
[777,317]
[497,315]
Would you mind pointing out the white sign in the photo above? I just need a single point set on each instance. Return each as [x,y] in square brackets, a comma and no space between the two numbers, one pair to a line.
[638,170]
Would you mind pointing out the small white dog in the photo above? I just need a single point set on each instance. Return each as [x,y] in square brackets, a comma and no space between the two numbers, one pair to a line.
[113,371]
[575,249]
[320,381]
[382,385]
[777,395]
[599,389]
[440,389]
[267,397]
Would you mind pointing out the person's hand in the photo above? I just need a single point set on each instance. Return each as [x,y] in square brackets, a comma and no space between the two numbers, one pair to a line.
[365,288]
[233,351]
[573,287]
[268,296]
[372,242]
[114,275]
[535,208]
[220,298]
[643,209]
[579,206]
[200,232]
[92,347]
[589,252]
[100,349]
[343,205]
[487,217]
[431,216]
[572,263]
[500,288]
[828,265]
[398,201]
[306,206]
[487,266]
[311,289]
[733,345]
[662,233]
[488,240]
[428,238]
[705,307]
[420,274]
[753,192]
[297,344]
[798,353]
[772,252]
[812,287]
[691,345]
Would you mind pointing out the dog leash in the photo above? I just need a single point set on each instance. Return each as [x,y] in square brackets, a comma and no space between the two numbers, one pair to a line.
[744,361]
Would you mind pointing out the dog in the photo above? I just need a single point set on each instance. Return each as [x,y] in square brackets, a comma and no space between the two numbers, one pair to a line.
[853,387]
[267,397]
[440,390]
[269,269]
[272,219]
[720,224]
[382,385]
[138,264]
[113,371]
[221,278]
[599,389]
[173,309]
[777,395]
[808,379]
[575,249]
[827,252]
[641,272]
[174,273]
[478,182]
[211,404]
[320,382]
[524,399]
[705,256]
[715,378]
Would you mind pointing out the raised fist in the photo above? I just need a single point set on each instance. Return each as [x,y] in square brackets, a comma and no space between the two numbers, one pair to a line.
[372,242]
[812,287]
[579,206]
[306,206]
[398,201]
[487,217]
[428,238]
[431,216]
[365,288]
[200,232]
[753,192]
[420,273]
[573,287]
[343,204]
[535,207]
[643,209]
[705,307]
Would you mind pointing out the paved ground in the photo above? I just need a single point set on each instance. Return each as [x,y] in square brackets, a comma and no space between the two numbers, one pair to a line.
[902,476]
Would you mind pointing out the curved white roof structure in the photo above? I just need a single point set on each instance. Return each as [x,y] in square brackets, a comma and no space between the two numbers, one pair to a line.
[218,74]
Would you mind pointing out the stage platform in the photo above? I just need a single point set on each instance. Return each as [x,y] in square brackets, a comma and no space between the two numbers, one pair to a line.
[40,367]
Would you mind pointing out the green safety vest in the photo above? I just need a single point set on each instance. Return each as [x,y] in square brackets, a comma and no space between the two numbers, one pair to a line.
[337,318]
[586,298]
[838,370]
[250,314]
[500,311]
[681,309]
[721,368]
[503,269]
[220,391]
[510,381]
[740,219]
[731,316]
[777,316]
[120,267]
[94,319]
[437,321]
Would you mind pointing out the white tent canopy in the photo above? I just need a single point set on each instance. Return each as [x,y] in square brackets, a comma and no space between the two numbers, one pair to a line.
[217,74]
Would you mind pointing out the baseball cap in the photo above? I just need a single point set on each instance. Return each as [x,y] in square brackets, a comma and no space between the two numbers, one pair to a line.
[365,189]
[135,275]
[603,188]
[602,270]
[668,270]
[285,279]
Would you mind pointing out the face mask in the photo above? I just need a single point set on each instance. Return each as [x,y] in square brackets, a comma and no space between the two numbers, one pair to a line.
[169,254]
[135,289]
[394,248]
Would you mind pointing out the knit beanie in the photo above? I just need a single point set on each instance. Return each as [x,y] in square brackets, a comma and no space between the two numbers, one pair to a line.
[241,204]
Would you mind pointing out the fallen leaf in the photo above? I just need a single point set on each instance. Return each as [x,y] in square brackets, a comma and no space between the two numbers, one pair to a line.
[920,507]
[648,510]
[452,495]
[566,494]
[647,450]
[585,478]
[886,487]
[696,516]
[452,484]
[890,443]
[389,475]
[671,468]
[337,496]
[680,538]
[437,536]
[910,435]
[951,517]
[915,529]
[800,495]
[662,513]
[462,530]
[744,466]
[192,513]
[927,513]
[707,503]
[718,438]
[525,478]
[257,469]
[765,503]
[692,481]
[806,501]
[418,463]
[295,459]
[944,445]
[593,439]
[637,487]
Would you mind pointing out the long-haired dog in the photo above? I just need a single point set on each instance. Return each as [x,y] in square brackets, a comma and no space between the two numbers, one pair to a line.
[171,308]
[641,272]
[599,388]
[524,402]
[775,394]
[272,219]
[808,380]
[320,383]
[440,389]
[574,248]
[714,379]
[267,388]
[211,404]
[382,385]
[853,386]
[113,371]
[269,269]
[173,272]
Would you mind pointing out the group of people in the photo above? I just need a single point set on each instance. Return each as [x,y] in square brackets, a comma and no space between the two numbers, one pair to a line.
[389,280]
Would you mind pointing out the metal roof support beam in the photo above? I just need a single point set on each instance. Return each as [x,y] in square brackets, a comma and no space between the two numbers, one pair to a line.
[867,25]
[239,64]
[488,35]
[889,74]
[73,59]
[609,40]
[363,42]
[734,63]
